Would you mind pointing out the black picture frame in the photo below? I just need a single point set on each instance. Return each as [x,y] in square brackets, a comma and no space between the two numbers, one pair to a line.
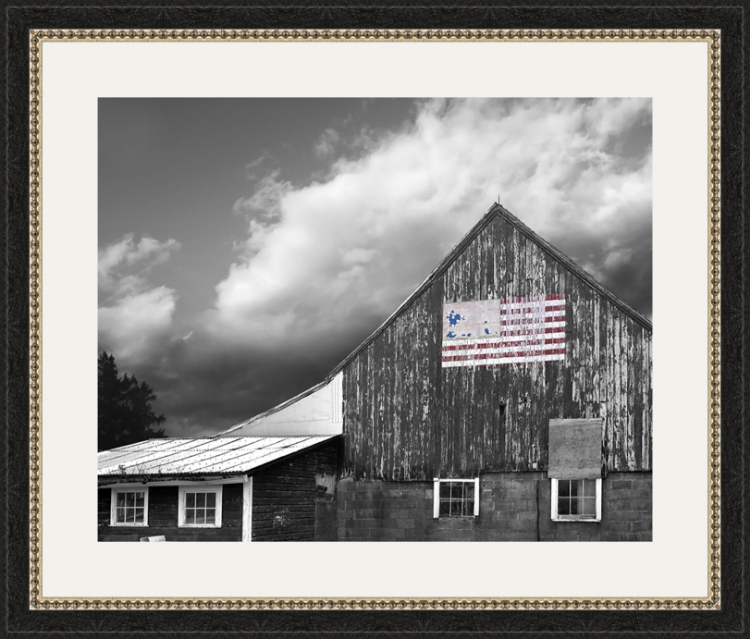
[18,19]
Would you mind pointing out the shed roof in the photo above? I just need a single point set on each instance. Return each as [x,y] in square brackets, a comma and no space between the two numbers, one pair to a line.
[201,456]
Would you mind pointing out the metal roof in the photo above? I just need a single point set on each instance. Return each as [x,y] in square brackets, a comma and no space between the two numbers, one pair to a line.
[201,456]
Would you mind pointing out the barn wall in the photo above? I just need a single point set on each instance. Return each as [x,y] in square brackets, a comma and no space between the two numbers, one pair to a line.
[512,507]
[295,500]
[162,518]
[407,418]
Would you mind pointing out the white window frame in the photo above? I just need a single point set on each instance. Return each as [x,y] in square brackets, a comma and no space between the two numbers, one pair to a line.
[247,509]
[213,488]
[436,495]
[113,506]
[577,518]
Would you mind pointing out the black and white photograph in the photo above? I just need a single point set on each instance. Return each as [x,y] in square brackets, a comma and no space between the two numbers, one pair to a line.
[383,319]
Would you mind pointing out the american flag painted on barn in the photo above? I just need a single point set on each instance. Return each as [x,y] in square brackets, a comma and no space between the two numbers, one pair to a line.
[516,330]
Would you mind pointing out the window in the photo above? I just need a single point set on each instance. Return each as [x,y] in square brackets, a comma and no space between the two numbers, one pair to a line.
[576,499]
[456,498]
[129,507]
[200,507]
[575,469]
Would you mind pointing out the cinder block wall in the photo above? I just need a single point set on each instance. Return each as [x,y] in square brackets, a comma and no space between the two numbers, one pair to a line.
[512,507]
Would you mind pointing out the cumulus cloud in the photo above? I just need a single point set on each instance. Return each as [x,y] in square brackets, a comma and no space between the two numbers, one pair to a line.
[326,144]
[135,317]
[342,253]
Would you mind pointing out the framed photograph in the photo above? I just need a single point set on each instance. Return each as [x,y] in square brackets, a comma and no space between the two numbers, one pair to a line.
[455,294]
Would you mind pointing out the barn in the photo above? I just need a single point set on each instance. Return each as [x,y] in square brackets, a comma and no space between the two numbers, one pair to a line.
[508,399]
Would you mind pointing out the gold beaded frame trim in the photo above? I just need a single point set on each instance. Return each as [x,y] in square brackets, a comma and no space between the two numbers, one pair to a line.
[711,37]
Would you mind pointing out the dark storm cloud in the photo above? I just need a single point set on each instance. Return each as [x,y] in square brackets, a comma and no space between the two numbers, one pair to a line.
[216,388]
[622,261]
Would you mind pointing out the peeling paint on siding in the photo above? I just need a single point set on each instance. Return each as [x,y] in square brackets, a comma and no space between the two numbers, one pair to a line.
[406,418]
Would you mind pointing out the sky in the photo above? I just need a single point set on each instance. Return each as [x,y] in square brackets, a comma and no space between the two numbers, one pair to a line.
[246,246]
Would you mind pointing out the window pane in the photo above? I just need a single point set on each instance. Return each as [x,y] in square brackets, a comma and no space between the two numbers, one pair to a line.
[139,499]
[130,499]
[589,487]
[563,506]
[573,506]
[200,500]
[189,516]
[563,488]
[190,500]
[210,516]
[211,500]
[120,500]
[120,516]
[139,515]
[457,499]
[576,487]
[200,516]
[468,508]
[130,516]
[587,506]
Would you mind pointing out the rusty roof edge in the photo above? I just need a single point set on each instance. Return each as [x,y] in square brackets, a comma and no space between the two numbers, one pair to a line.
[579,272]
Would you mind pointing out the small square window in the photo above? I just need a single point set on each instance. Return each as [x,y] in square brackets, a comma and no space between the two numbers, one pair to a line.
[456,498]
[200,507]
[576,499]
[129,507]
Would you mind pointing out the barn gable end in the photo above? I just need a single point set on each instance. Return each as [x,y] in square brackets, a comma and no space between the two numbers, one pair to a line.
[406,417]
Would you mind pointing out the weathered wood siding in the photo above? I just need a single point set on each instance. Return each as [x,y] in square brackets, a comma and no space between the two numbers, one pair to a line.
[162,517]
[408,418]
[295,500]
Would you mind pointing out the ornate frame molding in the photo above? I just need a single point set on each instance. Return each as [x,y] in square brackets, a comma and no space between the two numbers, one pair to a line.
[712,37]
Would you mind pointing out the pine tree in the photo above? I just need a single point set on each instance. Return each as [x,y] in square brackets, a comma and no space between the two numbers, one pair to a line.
[125,413]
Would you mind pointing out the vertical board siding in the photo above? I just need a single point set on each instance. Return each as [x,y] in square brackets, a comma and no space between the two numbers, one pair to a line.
[407,418]
[287,500]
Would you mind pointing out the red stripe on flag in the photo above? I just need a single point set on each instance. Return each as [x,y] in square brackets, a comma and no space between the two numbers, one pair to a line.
[537,298]
[533,320]
[532,309]
[481,356]
[479,345]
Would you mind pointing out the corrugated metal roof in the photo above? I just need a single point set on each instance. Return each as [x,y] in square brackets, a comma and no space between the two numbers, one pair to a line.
[201,456]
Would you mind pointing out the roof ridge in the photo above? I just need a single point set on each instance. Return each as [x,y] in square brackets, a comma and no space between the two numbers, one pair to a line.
[577,270]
